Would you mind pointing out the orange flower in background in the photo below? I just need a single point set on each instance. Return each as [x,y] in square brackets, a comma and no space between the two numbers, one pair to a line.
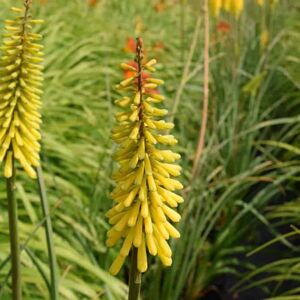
[92,2]
[43,1]
[158,46]
[160,6]
[130,45]
[223,27]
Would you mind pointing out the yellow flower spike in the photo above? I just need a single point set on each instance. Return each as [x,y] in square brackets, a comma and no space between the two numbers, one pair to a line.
[215,7]
[21,80]
[145,195]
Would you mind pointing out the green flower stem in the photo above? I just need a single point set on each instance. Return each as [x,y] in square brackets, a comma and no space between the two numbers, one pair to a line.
[14,236]
[135,278]
[54,295]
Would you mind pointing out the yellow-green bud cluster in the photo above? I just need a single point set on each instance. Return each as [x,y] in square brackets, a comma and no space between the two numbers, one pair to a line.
[20,90]
[144,195]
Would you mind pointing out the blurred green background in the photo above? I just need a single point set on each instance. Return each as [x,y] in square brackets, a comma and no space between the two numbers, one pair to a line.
[247,190]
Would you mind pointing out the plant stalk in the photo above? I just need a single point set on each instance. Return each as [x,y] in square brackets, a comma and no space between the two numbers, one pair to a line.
[54,294]
[202,131]
[14,236]
[182,29]
[135,278]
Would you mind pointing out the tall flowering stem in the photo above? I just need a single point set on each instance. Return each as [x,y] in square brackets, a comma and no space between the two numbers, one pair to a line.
[135,277]
[14,236]
[144,195]
[202,130]
[20,79]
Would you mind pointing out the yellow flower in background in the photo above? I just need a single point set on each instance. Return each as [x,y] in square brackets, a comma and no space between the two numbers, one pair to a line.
[264,39]
[273,3]
[144,196]
[20,90]
[263,2]
[226,4]
[215,7]
[236,7]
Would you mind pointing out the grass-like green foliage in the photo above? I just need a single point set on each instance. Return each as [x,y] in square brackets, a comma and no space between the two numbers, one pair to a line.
[251,158]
